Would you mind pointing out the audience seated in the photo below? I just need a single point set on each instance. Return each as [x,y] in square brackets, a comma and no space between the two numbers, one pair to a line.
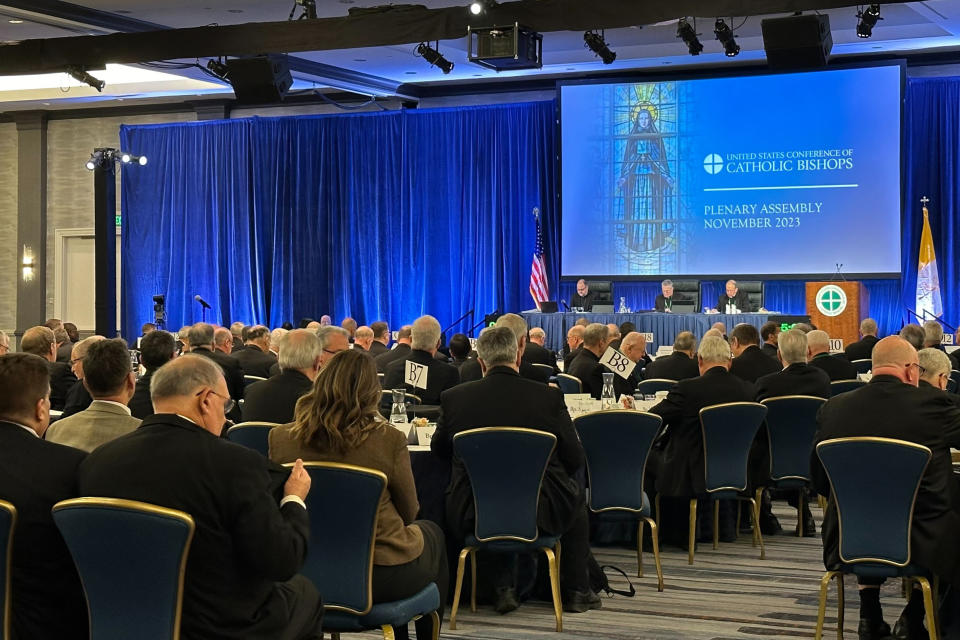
[722,328]
[275,337]
[339,421]
[325,321]
[274,400]
[890,406]
[223,340]
[363,338]
[183,340]
[351,326]
[241,579]
[78,398]
[574,344]
[797,378]
[111,383]
[47,597]
[504,398]
[471,370]
[914,334]
[862,348]
[424,341]
[40,341]
[400,350]
[586,366]
[459,349]
[613,336]
[236,331]
[66,339]
[933,335]
[381,338]
[256,359]
[679,365]
[769,333]
[818,355]
[200,337]
[749,363]
[536,353]
[935,373]
[156,349]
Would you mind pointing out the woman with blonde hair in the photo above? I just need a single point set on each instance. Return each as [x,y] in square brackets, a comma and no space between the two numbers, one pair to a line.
[339,421]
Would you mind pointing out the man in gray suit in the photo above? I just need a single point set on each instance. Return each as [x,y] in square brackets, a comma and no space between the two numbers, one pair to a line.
[111,383]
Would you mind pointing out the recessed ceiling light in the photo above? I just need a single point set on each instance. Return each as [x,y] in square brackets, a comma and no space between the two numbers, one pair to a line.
[15,21]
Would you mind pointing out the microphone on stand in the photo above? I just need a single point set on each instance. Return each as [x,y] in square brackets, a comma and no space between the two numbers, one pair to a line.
[203,302]
[564,302]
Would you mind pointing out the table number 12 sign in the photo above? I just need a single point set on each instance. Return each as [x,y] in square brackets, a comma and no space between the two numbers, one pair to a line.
[416,375]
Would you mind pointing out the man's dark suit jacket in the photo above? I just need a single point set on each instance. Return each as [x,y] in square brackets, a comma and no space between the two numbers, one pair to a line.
[384,359]
[585,302]
[889,408]
[752,364]
[837,366]
[535,354]
[676,366]
[586,366]
[798,379]
[660,304]
[503,399]
[232,372]
[770,350]
[570,357]
[861,349]
[48,601]
[741,301]
[274,400]
[244,543]
[255,362]
[377,348]
[952,398]
[78,399]
[237,344]
[61,380]
[682,472]
[470,371]
[64,352]
[440,376]
[140,404]
[955,359]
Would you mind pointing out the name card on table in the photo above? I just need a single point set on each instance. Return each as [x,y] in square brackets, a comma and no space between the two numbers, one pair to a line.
[615,361]
[836,345]
[416,375]
[425,434]
[394,335]
[406,428]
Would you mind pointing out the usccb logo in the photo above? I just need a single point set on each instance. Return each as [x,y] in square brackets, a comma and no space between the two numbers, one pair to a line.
[831,300]
[713,164]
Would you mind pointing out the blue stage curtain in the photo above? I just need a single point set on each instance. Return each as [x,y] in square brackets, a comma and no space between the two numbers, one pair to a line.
[374,215]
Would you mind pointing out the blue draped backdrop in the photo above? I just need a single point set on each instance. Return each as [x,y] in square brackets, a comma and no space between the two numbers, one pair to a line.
[391,215]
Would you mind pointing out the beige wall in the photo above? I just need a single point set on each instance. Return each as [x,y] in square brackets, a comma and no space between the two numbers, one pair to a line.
[9,271]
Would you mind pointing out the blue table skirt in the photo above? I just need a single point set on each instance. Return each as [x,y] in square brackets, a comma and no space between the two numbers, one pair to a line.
[663,326]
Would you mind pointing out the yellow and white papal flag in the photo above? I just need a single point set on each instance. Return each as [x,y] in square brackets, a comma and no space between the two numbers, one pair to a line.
[928,281]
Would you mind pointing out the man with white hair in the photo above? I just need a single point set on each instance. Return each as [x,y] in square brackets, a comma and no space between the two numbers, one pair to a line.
[274,400]
[440,376]
[256,359]
[862,348]
[223,340]
[935,368]
[275,337]
[247,548]
[679,470]
[914,334]
[679,365]
[666,298]
[471,370]
[363,338]
[574,344]
[236,332]
[933,335]
[733,296]
[536,353]
[818,355]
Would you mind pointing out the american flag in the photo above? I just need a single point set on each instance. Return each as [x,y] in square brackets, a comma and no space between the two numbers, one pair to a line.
[539,288]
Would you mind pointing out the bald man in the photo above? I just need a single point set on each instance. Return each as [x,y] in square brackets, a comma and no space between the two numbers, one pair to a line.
[574,344]
[891,406]
[818,355]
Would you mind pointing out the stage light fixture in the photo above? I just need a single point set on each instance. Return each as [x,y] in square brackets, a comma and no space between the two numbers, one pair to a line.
[688,34]
[80,75]
[867,20]
[596,43]
[103,157]
[218,68]
[479,7]
[431,55]
[91,165]
[725,35]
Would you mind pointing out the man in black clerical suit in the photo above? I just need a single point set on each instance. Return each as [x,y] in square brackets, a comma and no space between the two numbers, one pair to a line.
[47,597]
[862,348]
[586,366]
[574,345]
[818,355]
[274,400]
[797,378]
[749,363]
[252,528]
[732,295]
[40,341]
[424,341]
[935,368]
[583,298]
[666,297]
[157,348]
[381,338]
[200,337]
[471,369]
[400,350]
[679,365]
[890,406]
[768,335]
[536,353]
[255,359]
[503,398]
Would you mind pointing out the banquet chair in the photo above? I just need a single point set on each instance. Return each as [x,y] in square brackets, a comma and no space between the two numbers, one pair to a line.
[842,386]
[874,541]
[8,521]
[791,426]
[863,365]
[505,506]
[252,435]
[569,383]
[617,445]
[131,557]
[344,505]
[249,380]
[954,383]
[544,367]
[653,385]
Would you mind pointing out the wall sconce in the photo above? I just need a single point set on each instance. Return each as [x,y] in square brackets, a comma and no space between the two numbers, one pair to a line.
[28,264]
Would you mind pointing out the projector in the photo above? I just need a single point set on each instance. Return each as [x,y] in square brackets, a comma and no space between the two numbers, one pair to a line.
[505,48]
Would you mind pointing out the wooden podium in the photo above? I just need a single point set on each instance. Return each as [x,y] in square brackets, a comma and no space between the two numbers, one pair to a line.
[842,305]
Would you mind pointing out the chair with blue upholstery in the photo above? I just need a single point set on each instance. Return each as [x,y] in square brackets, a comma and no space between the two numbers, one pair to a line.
[653,385]
[252,435]
[344,505]
[569,383]
[8,521]
[954,383]
[874,541]
[131,558]
[791,425]
[842,386]
[864,365]
[249,380]
[505,505]
[617,445]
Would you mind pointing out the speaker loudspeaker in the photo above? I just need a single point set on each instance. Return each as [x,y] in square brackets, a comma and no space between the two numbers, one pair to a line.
[260,79]
[797,42]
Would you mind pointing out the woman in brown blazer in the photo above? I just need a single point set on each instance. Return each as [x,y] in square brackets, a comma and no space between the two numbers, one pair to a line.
[339,421]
